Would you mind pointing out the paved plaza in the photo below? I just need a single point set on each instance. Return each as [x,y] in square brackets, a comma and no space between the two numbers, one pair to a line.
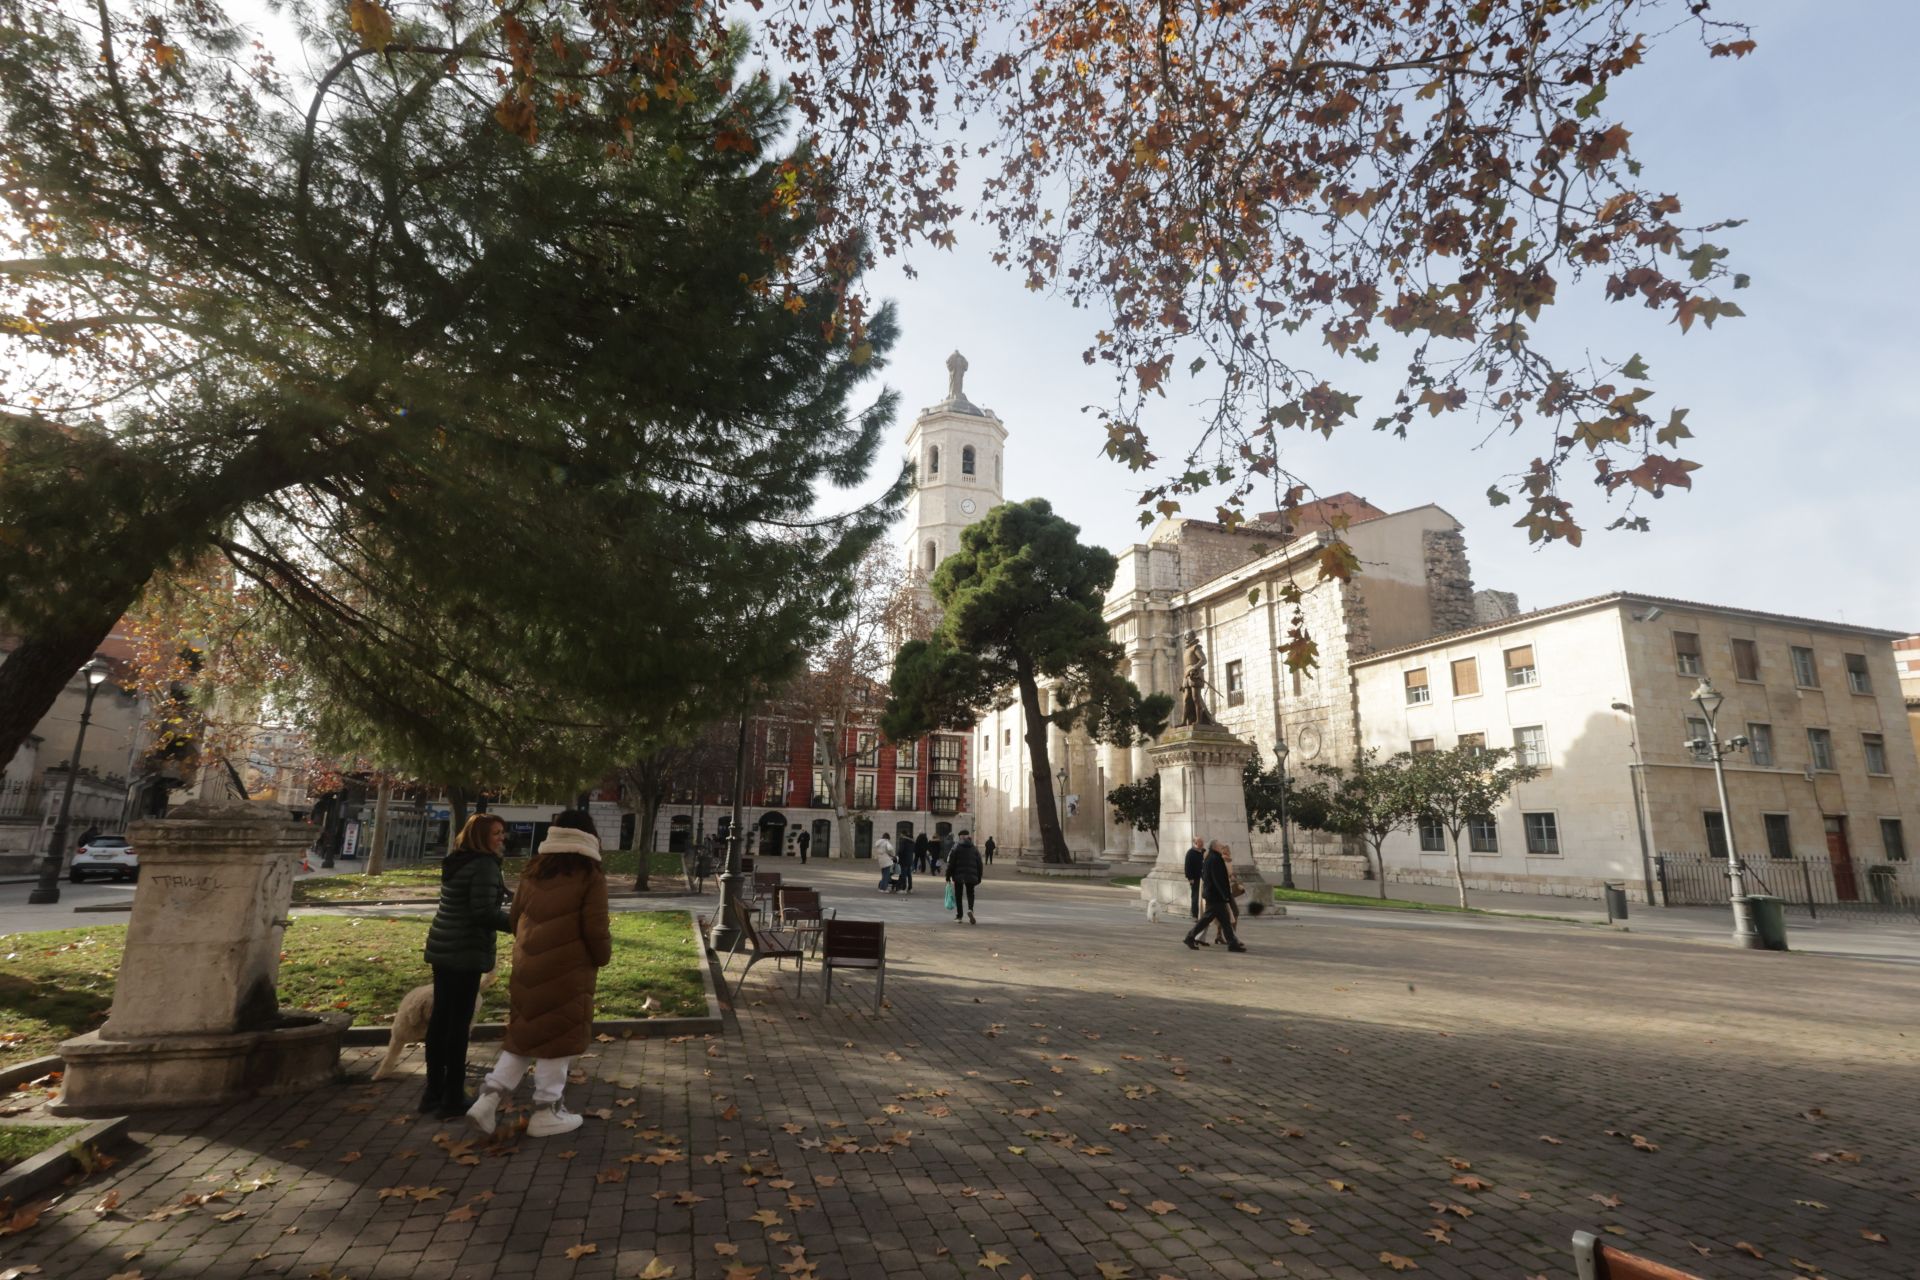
[1064,1091]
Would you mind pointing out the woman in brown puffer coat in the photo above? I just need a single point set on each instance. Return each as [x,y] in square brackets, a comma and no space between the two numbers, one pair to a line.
[560,943]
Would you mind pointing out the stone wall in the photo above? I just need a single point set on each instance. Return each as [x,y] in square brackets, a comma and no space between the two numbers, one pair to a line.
[1493,606]
[1450,599]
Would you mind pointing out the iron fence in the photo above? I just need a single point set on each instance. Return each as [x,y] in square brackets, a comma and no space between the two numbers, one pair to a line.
[1808,885]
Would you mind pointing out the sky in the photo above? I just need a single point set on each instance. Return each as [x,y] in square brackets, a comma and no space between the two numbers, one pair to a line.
[1804,412]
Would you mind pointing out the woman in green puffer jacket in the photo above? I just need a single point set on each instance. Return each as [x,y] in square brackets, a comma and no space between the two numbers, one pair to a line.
[460,947]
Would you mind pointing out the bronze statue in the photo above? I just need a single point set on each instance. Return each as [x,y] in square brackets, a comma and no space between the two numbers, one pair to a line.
[956,376]
[1193,685]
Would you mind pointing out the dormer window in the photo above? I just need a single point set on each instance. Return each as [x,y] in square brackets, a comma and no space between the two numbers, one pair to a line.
[966,461]
[928,554]
[933,461]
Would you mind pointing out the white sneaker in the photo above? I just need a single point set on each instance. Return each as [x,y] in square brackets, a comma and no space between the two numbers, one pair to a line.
[551,1121]
[484,1114]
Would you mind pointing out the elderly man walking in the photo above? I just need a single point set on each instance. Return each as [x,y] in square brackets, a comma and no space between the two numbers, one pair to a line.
[1196,863]
[1216,886]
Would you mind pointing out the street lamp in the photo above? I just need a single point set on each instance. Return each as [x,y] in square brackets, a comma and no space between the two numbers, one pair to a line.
[48,890]
[1286,841]
[1708,699]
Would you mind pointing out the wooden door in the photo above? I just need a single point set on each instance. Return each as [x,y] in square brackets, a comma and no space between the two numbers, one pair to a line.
[1841,856]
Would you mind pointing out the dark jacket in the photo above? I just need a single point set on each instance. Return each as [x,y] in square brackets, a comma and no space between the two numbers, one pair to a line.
[920,845]
[461,936]
[1196,860]
[963,863]
[561,940]
[1216,882]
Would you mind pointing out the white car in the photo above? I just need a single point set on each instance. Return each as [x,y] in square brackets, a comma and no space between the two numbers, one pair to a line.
[109,856]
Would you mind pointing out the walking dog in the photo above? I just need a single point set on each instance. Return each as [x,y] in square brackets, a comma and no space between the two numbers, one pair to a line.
[410,1021]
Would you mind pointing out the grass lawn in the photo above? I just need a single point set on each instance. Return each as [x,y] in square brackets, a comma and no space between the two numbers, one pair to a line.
[423,880]
[1310,897]
[23,1141]
[1127,882]
[57,985]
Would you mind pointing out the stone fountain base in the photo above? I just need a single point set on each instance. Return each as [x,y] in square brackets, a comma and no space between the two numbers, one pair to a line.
[115,1076]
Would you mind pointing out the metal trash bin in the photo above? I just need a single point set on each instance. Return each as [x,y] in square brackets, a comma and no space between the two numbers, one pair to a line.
[1615,892]
[1769,915]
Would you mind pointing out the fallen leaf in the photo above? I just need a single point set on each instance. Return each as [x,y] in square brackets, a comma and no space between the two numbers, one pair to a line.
[767,1218]
[1550,1140]
[1458,1163]
[108,1203]
[1397,1262]
[1751,1250]
[1700,1249]
[1339,1185]
[1811,1268]
[465,1213]
[1438,1234]
[1299,1226]
[1471,1181]
[230,1215]
[993,1261]
[1162,1206]
[1811,1204]
[1253,1209]
[1611,1202]
[1115,1270]
[350,1157]
[726,1250]
[656,1270]
[1642,1144]
[579,1251]
[738,1272]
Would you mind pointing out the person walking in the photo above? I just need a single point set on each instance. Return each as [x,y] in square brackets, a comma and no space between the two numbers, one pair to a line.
[964,870]
[801,842]
[920,851]
[1235,890]
[1216,886]
[902,874]
[883,854]
[941,850]
[988,850]
[460,950]
[1196,862]
[561,941]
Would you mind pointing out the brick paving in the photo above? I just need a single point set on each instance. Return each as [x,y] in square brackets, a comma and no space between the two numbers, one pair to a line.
[1066,1088]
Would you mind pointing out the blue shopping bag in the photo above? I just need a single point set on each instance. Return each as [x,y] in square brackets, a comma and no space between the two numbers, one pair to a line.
[949,895]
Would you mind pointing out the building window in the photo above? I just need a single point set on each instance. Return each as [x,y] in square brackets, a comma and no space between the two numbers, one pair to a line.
[929,556]
[821,797]
[779,740]
[1482,835]
[1236,683]
[933,460]
[902,792]
[1530,745]
[1686,653]
[1760,738]
[867,750]
[946,755]
[776,794]
[1779,835]
[1520,669]
[1433,837]
[1699,744]
[1716,833]
[1858,681]
[1006,739]
[1820,749]
[1417,691]
[996,471]
[1876,748]
[1893,839]
[1466,678]
[1805,674]
[906,756]
[1746,660]
[1474,743]
[1420,746]
[966,461]
[943,794]
[1543,833]
[865,789]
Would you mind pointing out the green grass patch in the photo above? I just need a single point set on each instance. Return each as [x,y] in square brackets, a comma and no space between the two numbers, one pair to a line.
[1312,898]
[24,1141]
[423,881]
[58,985]
[1127,882]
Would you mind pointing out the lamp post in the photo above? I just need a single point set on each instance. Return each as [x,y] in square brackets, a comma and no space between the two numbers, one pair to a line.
[1286,841]
[1708,699]
[48,890]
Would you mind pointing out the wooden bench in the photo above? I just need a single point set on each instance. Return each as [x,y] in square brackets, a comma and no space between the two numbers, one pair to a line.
[765,944]
[855,944]
[1595,1260]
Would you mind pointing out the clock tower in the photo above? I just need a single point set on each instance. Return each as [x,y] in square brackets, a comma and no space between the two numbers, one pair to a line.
[957,450]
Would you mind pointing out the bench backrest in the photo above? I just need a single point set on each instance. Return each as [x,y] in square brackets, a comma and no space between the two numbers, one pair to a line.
[1597,1261]
[765,883]
[854,940]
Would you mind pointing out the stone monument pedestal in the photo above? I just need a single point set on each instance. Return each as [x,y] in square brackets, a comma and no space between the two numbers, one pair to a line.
[1201,794]
[196,1016]
[1083,867]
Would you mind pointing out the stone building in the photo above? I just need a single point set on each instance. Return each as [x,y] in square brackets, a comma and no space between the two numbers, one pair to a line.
[1599,692]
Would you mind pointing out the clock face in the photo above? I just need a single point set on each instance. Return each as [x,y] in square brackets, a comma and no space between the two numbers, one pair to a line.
[966,506]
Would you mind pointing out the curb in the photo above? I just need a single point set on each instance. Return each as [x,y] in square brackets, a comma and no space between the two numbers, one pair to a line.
[31,1069]
[431,902]
[48,1169]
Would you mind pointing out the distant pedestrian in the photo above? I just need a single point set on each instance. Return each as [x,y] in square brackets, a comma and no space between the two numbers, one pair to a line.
[988,850]
[561,941]
[1216,886]
[460,949]
[801,842]
[964,870]
[902,874]
[1234,890]
[943,851]
[920,851]
[883,854]
[1196,862]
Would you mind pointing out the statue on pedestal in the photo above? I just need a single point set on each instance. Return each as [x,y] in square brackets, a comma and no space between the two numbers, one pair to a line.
[956,375]
[1193,685]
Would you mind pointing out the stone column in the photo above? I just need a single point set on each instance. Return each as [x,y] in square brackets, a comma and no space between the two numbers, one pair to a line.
[1201,794]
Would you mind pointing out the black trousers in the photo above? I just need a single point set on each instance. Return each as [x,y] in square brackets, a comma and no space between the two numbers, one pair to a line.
[1193,899]
[454,991]
[1220,913]
[962,899]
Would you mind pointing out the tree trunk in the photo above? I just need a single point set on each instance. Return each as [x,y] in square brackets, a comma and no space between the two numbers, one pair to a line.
[377,855]
[35,673]
[1379,866]
[1053,842]
[457,804]
[649,822]
[1459,870]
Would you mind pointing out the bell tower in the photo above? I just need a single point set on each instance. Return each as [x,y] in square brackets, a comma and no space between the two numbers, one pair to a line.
[958,454]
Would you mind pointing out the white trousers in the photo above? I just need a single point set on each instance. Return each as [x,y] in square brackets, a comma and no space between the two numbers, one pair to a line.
[549,1076]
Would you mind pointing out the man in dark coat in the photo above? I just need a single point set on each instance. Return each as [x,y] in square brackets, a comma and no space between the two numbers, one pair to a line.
[964,870]
[801,842]
[1196,860]
[988,849]
[1216,886]
[920,851]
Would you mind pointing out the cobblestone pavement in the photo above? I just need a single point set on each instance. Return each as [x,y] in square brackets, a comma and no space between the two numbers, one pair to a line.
[1065,1090]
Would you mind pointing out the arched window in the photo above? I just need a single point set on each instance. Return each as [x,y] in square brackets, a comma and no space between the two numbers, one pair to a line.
[933,460]
[997,482]
[966,461]
[928,555]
